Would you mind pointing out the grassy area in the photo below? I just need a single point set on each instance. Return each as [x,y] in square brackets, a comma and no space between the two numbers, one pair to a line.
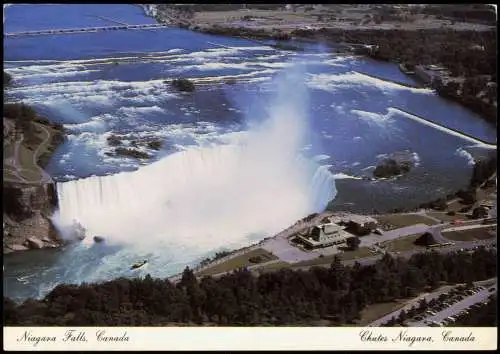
[455,206]
[9,173]
[470,234]
[447,218]
[401,220]
[361,252]
[8,150]
[402,244]
[238,262]
[376,311]
[274,266]
[27,160]
[28,169]
[30,175]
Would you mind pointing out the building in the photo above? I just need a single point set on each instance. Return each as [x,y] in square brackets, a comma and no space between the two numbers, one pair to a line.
[430,74]
[324,235]
[356,224]
[361,224]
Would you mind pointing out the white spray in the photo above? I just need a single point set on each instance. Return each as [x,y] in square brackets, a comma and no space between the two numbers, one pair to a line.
[205,198]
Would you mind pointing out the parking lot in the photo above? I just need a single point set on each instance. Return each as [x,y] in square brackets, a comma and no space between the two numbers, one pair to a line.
[455,303]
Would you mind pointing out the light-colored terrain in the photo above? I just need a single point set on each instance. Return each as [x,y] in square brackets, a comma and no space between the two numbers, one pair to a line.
[345,17]
[20,163]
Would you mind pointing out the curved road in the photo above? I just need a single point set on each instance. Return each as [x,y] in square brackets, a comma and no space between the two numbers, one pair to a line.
[14,161]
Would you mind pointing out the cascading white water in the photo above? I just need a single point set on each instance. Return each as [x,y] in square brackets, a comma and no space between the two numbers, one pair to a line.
[205,198]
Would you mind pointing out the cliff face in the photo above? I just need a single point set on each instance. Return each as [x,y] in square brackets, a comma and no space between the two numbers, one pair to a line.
[26,223]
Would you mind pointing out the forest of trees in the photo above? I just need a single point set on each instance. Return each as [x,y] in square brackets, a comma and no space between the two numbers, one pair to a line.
[22,114]
[283,297]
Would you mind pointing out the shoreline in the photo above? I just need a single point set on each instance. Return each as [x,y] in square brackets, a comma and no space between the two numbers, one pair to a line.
[370,41]
[31,191]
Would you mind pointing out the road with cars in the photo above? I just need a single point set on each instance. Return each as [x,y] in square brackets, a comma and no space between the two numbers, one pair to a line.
[447,311]
[427,296]
[455,309]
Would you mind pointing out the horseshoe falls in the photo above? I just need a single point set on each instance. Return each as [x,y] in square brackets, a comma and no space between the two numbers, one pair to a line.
[208,197]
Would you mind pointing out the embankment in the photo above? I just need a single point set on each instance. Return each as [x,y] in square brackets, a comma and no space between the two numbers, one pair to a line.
[26,217]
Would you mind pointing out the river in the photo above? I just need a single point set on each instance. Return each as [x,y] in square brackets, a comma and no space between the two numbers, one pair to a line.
[258,145]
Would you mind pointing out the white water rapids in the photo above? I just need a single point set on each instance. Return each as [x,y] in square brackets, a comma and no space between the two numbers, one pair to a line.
[204,198]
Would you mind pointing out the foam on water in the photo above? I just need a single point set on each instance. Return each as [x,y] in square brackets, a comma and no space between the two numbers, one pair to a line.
[204,198]
[467,155]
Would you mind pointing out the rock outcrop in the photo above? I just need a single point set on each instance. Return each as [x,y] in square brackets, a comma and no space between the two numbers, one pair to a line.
[390,168]
[26,217]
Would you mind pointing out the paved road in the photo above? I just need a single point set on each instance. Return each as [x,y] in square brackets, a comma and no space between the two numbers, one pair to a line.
[406,255]
[456,308]
[370,240]
[437,230]
[427,296]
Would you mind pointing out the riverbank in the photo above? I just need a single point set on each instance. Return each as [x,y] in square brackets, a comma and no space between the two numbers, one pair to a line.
[29,194]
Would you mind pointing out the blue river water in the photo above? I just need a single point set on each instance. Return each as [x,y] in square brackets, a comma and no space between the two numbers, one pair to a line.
[116,82]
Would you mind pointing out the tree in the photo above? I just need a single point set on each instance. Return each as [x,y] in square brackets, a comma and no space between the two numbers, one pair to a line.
[479,212]
[353,243]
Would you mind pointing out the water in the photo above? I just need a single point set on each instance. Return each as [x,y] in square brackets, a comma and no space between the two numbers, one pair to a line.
[232,166]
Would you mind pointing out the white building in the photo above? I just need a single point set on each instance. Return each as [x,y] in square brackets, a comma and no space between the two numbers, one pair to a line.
[324,235]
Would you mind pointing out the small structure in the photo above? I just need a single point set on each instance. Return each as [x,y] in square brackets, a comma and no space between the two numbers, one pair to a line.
[324,235]
[480,212]
[357,224]
[430,74]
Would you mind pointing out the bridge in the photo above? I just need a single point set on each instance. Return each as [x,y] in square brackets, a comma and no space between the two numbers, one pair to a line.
[86,30]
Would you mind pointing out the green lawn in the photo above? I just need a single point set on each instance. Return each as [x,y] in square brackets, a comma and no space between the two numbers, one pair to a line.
[8,150]
[455,206]
[28,169]
[238,262]
[361,252]
[469,235]
[447,218]
[27,160]
[8,173]
[274,266]
[30,175]
[401,220]
[376,311]
[402,244]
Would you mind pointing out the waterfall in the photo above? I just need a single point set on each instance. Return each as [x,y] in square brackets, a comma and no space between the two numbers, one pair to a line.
[209,197]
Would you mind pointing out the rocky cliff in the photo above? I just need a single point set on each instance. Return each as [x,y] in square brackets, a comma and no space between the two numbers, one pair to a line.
[26,223]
